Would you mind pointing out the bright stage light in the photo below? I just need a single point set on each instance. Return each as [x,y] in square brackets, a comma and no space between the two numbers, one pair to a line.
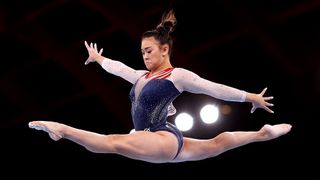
[184,121]
[209,114]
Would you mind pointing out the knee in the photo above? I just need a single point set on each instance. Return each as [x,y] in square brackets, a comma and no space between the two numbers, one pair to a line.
[223,140]
[226,138]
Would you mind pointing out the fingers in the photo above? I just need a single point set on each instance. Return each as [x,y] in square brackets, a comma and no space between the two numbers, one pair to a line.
[93,52]
[264,107]
[263,91]
[268,109]
[95,47]
[262,102]
[86,44]
[269,104]
[268,98]
[101,50]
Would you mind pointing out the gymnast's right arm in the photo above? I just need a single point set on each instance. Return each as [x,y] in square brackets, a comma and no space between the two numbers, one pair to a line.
[114,67]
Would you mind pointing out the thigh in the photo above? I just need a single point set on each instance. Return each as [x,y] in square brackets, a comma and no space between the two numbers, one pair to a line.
[196,149]
[158,147]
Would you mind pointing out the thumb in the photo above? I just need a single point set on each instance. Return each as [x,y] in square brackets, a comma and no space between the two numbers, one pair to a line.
[253,109]
[87,61]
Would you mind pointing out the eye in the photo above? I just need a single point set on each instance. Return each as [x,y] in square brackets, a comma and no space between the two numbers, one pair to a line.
[149,52]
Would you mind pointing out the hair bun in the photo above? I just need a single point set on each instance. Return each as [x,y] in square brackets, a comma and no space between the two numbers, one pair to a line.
[166,27]
[162,30]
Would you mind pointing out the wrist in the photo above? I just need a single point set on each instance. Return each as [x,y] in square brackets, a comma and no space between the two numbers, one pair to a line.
[99,59]
[249,97]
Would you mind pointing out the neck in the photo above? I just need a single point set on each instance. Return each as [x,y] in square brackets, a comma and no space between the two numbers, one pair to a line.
[162,67]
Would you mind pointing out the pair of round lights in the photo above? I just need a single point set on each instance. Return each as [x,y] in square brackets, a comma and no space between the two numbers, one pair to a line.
[209,114]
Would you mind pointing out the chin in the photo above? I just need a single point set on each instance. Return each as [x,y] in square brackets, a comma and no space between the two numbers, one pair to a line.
[148,67]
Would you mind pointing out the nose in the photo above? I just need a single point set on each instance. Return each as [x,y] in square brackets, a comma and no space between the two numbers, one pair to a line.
[145,57]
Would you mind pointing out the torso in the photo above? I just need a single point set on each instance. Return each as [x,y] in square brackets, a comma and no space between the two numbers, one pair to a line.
[151,96]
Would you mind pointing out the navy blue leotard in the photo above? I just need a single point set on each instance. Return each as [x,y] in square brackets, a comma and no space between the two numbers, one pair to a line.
[150,108]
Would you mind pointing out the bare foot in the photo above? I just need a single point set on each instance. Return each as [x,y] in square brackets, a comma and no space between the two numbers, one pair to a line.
[52,128]
[273,131]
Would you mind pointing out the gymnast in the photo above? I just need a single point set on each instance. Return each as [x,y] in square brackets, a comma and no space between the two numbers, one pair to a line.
[155,139]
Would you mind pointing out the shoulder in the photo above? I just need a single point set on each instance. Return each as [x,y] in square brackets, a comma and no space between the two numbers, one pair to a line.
[182,72]
[181,77]
[142,72]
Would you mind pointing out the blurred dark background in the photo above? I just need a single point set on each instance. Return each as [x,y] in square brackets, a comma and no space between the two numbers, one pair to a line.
[246,44]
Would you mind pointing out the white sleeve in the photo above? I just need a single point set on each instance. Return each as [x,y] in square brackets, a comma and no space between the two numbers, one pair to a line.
[119,69]
[185,80]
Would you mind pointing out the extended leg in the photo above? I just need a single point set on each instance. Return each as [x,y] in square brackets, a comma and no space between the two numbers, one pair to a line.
[195,149]
[142,145]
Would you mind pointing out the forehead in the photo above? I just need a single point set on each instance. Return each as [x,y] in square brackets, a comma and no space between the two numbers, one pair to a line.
[148,42]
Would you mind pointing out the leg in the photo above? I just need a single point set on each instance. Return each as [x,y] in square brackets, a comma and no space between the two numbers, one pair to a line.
[154,147]
[195,149]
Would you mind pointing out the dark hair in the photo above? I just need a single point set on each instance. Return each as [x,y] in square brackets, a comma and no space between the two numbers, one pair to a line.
[163,30]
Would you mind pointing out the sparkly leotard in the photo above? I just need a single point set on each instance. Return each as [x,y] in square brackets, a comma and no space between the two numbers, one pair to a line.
[152,95]
[150,106]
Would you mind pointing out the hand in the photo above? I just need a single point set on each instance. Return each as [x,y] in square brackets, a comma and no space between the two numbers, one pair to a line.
[94,54]
[261,102]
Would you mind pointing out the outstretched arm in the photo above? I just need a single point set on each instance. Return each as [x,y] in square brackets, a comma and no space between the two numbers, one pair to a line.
[114,67]
[188,81]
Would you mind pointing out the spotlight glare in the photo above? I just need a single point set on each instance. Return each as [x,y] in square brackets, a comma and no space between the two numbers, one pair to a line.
[209,114]
[184,121]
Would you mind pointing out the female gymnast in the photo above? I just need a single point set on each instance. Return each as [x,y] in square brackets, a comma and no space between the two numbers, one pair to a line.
[156,140]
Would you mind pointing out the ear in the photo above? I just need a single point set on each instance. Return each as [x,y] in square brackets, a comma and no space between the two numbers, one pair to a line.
[165,49]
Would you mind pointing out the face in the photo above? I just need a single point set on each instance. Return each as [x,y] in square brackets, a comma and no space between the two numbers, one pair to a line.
[153,54]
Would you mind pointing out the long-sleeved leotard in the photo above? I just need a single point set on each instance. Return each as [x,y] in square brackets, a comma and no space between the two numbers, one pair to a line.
[152,95]
[183,80]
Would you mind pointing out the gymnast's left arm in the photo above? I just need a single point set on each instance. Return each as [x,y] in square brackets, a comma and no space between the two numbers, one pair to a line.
[186,80]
